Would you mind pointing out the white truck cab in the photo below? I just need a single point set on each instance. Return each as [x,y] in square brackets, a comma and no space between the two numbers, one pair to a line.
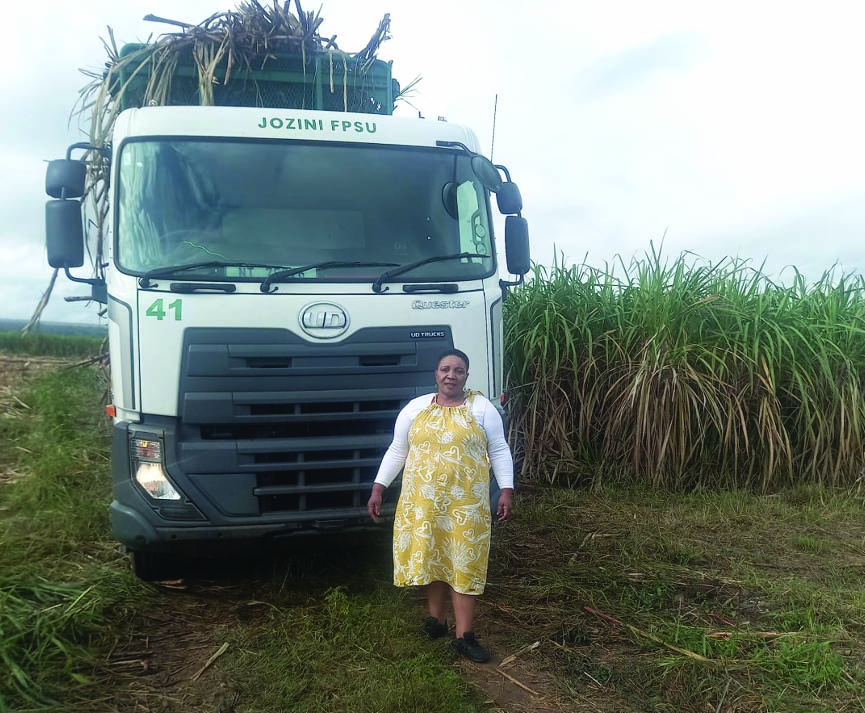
[279,283]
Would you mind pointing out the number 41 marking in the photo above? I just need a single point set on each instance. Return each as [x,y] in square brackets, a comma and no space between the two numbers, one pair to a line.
[157,310]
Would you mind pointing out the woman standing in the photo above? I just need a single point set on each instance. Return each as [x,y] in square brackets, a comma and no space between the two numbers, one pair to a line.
[447,442]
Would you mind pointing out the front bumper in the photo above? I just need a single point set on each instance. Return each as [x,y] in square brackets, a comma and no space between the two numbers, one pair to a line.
[134,529]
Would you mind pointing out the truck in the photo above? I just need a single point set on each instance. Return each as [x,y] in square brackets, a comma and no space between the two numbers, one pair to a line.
[278,283]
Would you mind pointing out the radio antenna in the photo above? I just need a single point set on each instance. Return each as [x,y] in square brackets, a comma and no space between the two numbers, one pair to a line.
[493,143]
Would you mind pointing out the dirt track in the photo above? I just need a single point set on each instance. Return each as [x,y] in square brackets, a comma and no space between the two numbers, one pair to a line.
[164,665]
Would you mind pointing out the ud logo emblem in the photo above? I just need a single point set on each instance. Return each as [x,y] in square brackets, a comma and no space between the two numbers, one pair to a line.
[324,320]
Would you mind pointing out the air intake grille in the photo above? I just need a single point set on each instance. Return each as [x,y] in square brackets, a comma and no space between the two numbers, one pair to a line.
[300,428]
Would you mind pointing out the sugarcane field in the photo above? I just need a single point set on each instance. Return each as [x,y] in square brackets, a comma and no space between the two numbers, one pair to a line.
[296,417]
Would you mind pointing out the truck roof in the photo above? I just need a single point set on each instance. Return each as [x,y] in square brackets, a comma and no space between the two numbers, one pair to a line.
[288,124]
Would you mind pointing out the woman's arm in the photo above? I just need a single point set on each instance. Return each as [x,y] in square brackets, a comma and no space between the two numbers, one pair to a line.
[497,447]
[500,459]
[373,506]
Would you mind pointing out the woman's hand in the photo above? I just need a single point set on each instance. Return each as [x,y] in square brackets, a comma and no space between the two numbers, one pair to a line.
[505,504]
[373,507]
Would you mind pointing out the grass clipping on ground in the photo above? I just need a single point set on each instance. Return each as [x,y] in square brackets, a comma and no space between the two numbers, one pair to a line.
[703,602]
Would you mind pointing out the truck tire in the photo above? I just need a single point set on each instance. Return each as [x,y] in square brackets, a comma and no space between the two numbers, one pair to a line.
[155,566]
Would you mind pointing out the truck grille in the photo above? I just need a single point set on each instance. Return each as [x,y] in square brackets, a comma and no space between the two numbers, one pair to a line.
[264,431]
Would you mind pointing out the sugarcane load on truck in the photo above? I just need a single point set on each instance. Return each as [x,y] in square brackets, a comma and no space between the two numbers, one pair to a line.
[281,261]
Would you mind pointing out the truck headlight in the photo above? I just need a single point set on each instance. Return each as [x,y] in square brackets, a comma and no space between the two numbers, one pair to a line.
[152,478]
[149,471]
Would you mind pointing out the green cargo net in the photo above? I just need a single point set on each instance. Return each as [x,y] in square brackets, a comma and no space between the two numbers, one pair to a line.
[324,81]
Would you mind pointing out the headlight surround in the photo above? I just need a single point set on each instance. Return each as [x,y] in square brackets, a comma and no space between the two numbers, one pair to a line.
[149,470]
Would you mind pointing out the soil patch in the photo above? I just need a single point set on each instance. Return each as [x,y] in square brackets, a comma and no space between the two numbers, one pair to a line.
[735,606]
[519,679]
[168,662]
[512,681]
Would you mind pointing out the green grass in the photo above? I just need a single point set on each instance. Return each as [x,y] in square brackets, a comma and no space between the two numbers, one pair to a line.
[346,651]
[687,374]
[61,585]
[55,345]
[722,576]
[812,665]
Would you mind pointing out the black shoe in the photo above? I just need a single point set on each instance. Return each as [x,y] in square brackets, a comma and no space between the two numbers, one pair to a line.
[435,629]
[467,645]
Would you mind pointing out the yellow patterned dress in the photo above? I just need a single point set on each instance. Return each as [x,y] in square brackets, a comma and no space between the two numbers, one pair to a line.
[442,523]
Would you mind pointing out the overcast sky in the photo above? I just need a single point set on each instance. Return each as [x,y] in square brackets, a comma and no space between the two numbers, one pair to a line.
[735,131]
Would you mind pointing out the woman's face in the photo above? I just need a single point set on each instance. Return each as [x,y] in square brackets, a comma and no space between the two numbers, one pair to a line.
[451,375]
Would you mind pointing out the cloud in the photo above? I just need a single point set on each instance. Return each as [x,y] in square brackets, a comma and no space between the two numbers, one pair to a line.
[634,67]
[813,237]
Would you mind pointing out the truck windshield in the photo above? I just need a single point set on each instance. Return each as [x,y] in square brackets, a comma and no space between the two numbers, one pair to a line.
[273,203]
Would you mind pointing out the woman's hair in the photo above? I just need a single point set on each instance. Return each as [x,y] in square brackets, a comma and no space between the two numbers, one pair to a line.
[456,353]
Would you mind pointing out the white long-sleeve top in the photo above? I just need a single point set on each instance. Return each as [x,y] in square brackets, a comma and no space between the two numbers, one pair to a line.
[483,412]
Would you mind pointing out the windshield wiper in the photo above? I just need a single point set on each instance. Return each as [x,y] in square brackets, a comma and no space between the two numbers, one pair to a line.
[377,285]
[283,274]
[169,270]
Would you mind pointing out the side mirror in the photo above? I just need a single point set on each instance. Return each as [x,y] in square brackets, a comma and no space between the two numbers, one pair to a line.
[65,178]
[64,233]
[517,245]
[509,200]
[486,173]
